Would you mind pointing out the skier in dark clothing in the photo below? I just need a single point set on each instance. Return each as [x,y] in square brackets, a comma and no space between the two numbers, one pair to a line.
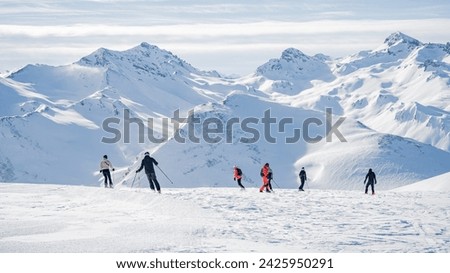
[371,180]
[105,165]
[270,177]
[303,178]
[147,163]
[237,175]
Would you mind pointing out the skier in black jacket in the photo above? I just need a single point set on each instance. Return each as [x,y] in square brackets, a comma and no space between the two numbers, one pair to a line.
[371,180]
[147,163]
[303,178]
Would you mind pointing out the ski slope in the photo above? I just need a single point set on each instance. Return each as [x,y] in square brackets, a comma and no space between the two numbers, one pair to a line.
[440,183]
[56,218]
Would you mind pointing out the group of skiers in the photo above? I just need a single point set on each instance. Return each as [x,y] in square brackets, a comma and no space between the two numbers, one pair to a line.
[265,173]
[146,164]
[267,178]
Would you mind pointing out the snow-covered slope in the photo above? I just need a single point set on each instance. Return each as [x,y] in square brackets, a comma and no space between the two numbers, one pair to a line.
[18,98]
[54,219]
[52,117]
[293,72]
[401,88]
[395,48]
[145,75]
[330,164]
[440,183]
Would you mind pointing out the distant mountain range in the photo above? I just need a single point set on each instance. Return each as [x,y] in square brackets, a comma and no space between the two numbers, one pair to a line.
[395,100]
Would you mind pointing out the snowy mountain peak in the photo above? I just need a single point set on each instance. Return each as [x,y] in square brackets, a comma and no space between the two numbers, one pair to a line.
[293,54]
[293,72]
[147,45]
[399,37]
[322,57]
[395,100]
[395,49]
[97,58]
[292,64]
[142,58]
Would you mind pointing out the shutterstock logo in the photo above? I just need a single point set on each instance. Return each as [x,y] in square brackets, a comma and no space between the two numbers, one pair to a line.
[214,129]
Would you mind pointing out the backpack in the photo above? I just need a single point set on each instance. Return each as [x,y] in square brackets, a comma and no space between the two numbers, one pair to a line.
[261,173]
[239,172]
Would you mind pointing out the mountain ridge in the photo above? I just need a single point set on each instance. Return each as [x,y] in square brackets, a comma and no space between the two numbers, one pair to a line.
[399,91]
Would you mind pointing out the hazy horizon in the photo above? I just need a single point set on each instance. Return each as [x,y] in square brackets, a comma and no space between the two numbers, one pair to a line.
[230,37]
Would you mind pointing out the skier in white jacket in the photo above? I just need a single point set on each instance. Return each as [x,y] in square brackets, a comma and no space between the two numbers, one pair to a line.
[105,166]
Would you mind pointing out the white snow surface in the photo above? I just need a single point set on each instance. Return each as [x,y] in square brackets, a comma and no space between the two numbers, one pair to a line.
[440,183]
[62,218]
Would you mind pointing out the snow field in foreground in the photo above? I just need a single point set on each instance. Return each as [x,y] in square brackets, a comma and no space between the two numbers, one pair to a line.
[54,218]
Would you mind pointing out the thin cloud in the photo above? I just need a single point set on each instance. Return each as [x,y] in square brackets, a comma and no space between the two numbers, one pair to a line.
[333,27]
[58,32]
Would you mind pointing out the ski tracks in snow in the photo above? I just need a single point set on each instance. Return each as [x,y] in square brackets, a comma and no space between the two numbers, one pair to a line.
[328,221]
[48,218]
[51,218]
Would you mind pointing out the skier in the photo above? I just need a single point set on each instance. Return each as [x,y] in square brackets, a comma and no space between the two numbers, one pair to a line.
[238,176]
[148,162]
[265,178]
[371,180]
[270,177]
[105,166]
[303,178]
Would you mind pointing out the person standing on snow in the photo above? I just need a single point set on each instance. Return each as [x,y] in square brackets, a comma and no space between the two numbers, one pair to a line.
[265,171]
[105,166]
[147,163]
[303,178]
[270,177]
[238,176]
[371,180]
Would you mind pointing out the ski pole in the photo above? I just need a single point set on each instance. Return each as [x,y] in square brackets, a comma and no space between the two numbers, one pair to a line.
[164,174]
[133,180]
[275,183]
[112,180]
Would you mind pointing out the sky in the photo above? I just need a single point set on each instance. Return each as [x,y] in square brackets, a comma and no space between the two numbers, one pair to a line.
[232,37]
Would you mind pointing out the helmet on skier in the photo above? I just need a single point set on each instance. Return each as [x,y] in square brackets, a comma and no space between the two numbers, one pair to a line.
[105,157]
[146,153]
